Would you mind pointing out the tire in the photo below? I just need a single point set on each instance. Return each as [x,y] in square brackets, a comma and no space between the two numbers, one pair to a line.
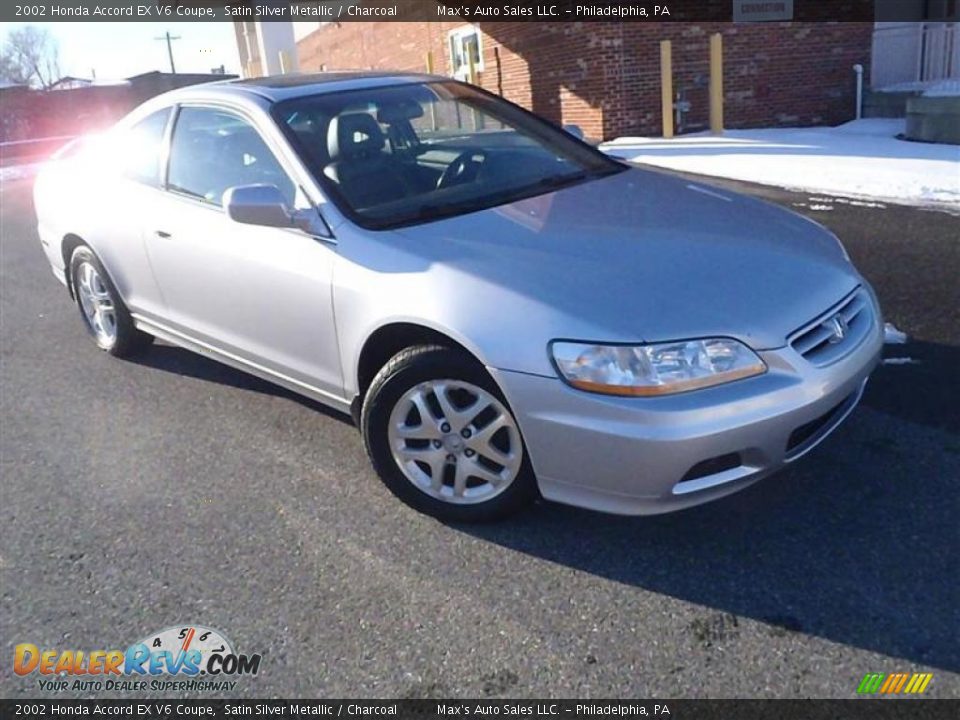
[102,310]
[446,465]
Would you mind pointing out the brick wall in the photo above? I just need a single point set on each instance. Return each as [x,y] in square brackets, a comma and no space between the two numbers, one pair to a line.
[375,45]
[30,114]
[774,74]
[605,77]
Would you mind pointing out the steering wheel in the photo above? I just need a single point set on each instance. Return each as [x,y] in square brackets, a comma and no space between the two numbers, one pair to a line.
[464,168]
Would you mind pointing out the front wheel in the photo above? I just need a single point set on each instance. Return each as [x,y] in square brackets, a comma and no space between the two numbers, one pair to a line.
[105,316]
[442,438]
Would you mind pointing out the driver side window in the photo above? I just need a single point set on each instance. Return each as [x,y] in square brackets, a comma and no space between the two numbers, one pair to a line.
[138,149]
[213,150]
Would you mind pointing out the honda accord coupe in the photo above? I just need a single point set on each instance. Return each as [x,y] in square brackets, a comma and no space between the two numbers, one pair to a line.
[506,312]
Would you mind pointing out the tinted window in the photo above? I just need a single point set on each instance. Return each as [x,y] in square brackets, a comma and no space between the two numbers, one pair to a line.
[415,152]
[140,144]
[213,150]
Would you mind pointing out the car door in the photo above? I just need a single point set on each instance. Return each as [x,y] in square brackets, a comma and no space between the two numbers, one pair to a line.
[125,170]
[258,294]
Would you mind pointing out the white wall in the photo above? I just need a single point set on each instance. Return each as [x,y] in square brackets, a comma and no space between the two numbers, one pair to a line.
[274,38]
[301,29]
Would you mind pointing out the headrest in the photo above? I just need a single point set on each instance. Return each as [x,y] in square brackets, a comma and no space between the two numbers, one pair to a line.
[353,135]
[403,110]
[234,147]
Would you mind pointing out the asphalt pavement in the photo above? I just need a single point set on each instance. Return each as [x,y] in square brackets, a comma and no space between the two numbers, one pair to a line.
[137,495]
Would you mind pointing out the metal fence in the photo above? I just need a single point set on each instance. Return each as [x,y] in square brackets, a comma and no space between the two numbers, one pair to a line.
[915,52]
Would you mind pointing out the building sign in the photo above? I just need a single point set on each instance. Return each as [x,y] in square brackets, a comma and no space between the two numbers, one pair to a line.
[762,10]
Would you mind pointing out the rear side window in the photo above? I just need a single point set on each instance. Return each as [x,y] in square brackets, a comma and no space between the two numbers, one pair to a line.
[141,143]
[213,150]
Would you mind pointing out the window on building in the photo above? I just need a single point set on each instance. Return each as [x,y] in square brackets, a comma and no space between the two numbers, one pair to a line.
[465,43]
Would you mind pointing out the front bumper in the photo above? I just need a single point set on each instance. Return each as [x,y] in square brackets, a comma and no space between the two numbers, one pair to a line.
[639,456]
[50,242]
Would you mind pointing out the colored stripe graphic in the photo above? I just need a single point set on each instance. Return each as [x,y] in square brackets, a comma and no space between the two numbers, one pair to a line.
[870,683]
[923,679]
[894,684]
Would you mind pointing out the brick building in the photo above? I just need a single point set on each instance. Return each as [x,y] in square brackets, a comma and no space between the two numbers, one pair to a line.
[76,106]
[605,77]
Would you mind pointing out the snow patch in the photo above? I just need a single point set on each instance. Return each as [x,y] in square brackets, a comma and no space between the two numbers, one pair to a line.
[862,160]
[19,172]
[929,88]
[944,88]
[863,203]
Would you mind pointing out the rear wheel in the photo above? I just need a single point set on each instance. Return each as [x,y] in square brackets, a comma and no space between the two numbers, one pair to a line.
[443,439]
[105,316]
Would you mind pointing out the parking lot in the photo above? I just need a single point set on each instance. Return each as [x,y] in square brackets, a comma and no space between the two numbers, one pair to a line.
[168,490]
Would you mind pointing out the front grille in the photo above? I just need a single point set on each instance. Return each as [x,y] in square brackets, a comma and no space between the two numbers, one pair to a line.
[837,332]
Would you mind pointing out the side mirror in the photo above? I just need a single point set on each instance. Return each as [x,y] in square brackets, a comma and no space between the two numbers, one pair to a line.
[258,205]
[265,205]
[574,130]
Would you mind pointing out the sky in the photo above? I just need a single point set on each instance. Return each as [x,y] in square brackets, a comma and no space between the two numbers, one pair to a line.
[120,49]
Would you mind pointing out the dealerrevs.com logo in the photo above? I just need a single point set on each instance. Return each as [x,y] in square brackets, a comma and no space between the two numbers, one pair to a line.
[189,657]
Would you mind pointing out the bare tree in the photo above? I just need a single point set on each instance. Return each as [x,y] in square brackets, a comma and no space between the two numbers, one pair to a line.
[30,56]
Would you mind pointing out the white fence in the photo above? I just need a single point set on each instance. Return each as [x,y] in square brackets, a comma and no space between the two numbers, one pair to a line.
[915,52]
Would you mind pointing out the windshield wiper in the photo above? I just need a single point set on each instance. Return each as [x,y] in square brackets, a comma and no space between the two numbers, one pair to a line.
[555,181]
[433,212]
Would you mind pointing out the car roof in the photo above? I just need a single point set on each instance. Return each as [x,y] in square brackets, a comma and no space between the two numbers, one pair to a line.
[276,88]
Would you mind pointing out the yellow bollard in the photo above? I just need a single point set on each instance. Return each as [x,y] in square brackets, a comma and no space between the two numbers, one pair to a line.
[666,87]
[472,79]
[433,106]
[716,84]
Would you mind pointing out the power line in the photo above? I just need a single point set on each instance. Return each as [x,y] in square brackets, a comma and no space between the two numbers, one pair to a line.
[169,38]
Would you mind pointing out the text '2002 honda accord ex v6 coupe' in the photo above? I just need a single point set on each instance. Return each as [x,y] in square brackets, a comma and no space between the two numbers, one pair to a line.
[504,310]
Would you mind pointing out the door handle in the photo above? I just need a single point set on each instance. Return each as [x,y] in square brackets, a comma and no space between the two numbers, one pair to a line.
[162,233]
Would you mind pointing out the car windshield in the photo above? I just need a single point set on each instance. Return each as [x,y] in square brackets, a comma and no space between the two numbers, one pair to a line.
[411,153]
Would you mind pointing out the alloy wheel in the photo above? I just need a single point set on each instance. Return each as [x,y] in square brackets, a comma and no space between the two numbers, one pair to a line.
[97,305]
[455,441]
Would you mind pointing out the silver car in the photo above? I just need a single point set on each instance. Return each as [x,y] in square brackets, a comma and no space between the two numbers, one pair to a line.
[506,312]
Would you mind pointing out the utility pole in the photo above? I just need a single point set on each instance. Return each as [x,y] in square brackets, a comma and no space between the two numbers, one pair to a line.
[168,37]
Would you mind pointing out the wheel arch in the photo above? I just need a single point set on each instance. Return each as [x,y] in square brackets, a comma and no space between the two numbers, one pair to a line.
[389,339]
[70,242]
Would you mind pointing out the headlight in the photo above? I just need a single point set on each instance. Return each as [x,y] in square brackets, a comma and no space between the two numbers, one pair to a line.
[659,369]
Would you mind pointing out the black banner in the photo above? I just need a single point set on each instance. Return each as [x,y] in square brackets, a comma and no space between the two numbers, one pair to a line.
[454,10]
[860,709]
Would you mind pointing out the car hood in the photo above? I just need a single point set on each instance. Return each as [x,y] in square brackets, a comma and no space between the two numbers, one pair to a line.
[643,256]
